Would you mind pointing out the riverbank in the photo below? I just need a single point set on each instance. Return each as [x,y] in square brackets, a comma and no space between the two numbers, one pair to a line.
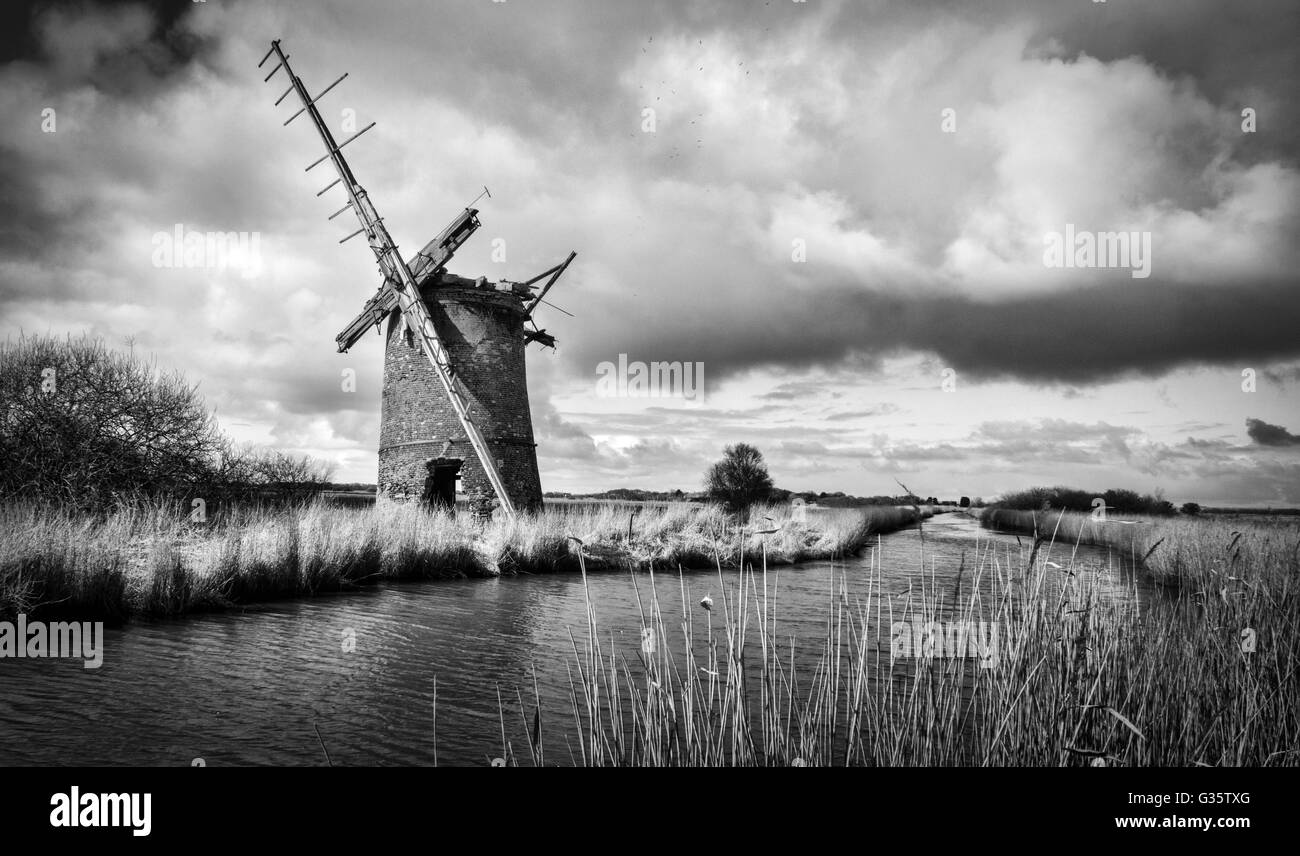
[947,650]
[1179,550]
[153,560]
[1029,664]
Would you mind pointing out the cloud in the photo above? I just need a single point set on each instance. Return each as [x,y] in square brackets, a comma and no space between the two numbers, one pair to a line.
[1270,435]
[850,415]
[1283,375]
[781,126]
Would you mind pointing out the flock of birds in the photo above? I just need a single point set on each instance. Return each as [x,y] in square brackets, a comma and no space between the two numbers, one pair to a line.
[699,142]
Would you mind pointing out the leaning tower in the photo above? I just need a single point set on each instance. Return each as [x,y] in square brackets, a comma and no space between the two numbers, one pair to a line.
[423,449]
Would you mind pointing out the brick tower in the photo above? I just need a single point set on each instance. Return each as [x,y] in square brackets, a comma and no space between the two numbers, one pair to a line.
[423,448]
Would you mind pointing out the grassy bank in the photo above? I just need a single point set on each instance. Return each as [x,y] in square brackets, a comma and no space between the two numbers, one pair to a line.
[1181,550]
[1076,678]
[153,560]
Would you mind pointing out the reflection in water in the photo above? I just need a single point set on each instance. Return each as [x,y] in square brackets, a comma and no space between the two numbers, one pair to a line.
[247,687]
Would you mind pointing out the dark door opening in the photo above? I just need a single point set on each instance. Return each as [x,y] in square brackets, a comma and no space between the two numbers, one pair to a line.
[440,484]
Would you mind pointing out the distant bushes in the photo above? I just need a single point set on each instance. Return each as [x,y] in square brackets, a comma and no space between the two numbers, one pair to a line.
[1118,500]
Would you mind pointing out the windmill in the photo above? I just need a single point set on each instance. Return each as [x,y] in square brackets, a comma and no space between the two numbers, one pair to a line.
[408,287]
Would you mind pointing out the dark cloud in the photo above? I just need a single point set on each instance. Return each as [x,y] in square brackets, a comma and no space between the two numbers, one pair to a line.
[1270,435]
[562,100]
[26,27]
[1250,52]
[120,49]
[1247,58]
[1079,336]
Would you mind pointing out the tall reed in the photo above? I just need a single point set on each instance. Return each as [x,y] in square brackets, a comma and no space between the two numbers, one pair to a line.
[1077,678]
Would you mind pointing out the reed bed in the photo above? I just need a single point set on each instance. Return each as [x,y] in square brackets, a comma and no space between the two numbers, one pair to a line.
[154,560]
[1075,678]
[1201,552]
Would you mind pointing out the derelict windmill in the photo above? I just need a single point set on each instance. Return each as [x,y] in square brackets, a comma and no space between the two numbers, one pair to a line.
[472,334]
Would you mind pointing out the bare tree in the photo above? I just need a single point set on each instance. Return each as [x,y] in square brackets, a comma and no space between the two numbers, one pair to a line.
[286,476]
[79,422]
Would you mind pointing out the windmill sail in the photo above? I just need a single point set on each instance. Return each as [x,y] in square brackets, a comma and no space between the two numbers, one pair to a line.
[423,265]
[396,273]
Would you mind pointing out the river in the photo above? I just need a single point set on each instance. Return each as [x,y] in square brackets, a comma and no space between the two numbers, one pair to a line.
[255,686]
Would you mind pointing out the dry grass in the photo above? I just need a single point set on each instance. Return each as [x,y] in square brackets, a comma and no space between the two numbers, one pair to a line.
[1197,551]
[154,560]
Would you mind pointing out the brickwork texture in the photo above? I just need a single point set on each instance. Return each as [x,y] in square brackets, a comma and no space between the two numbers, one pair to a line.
[482,329]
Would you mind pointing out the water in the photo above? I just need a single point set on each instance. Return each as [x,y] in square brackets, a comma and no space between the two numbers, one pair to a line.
[253,686]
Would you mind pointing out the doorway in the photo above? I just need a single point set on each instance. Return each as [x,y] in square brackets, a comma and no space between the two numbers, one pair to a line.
[440,483]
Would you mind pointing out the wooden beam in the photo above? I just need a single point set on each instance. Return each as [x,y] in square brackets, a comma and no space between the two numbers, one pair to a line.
[542,336]
[423,265]
[558,269]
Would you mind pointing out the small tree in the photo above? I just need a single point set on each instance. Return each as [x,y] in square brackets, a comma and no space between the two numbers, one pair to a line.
[1191,508]
[740,479]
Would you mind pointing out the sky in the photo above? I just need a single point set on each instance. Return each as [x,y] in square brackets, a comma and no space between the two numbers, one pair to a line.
[841,212]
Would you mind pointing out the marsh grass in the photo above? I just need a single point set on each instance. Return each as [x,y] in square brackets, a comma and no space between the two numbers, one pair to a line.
[1200,552]
[1079,677]
[153,560]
